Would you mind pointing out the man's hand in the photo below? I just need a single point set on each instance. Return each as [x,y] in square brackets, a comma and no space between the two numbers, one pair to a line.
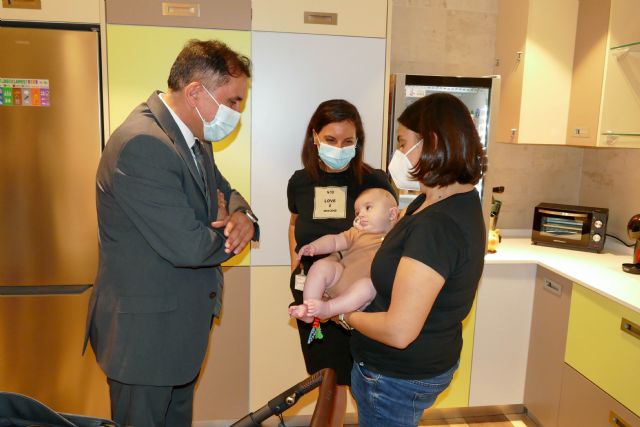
[223,212]
[239,231]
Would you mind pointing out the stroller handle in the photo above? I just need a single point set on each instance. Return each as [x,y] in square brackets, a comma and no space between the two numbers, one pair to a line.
[288,398]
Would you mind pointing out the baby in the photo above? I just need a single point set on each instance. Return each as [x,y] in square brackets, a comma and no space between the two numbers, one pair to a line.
[336,277]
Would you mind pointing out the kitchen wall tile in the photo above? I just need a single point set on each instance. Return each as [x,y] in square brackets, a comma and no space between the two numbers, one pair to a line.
[470,56]
[420,32]
[610,179]
[532,174]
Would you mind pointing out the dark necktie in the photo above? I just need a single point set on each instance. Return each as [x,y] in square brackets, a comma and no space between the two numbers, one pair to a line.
[197,151]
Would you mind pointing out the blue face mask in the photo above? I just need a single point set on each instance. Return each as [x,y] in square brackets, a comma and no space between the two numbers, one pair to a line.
[224,122]
[334,157]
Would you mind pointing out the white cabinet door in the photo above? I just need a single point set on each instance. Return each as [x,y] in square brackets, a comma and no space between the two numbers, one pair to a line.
[292,74]
[501,341]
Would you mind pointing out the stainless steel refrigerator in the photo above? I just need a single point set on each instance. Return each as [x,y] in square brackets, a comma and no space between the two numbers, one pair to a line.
[50,144]
[479,94]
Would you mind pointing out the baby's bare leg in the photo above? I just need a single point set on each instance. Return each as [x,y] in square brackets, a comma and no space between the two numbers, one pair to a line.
[355,297]
[322,275]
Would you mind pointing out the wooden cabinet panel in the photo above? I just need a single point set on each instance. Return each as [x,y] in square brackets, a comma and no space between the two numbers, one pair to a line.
[534,50]
[72,11]
[220,14]
[585,405]
[546,347]
[620,120]
[588,72]
[603,344]
[366,18]
[501,340]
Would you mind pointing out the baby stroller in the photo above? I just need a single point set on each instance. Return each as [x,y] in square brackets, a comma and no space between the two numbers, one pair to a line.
[325,378]
[17,410]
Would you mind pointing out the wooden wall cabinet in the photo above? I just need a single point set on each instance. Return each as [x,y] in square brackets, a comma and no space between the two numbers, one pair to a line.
[69,11]
[534,57]
[219,14]
[549,321]
[365,18]
[605,92]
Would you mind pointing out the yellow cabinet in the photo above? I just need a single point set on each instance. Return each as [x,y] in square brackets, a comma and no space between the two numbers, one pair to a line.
[457,394]
[534,57]
[603,344]
[366,18]
[605,93]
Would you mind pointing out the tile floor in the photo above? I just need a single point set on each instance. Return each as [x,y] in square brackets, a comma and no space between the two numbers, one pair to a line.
[516,420]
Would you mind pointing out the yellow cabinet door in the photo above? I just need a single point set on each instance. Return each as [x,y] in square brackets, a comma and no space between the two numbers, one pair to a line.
[457,394]
[603,344]
[366,18]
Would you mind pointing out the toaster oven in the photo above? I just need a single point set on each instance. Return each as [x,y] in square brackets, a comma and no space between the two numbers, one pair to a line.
[569,226]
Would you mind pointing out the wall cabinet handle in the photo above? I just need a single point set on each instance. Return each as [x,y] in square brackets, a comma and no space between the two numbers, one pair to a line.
[180,9]
[553,287]
[322,18]
[615,420]
[631,328]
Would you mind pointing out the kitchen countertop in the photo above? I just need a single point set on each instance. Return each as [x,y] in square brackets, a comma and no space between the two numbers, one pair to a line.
[601,272]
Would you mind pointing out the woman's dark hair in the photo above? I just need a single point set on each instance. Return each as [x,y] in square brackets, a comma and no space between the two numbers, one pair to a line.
[207,60]
[333,111]
[451,151]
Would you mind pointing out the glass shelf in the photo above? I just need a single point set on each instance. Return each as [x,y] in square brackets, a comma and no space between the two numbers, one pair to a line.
[629,47]
[619,134]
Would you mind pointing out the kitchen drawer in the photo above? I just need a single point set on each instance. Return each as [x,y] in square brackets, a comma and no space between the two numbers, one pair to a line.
[218,14]
[366,18]
[603,344]
[585,405]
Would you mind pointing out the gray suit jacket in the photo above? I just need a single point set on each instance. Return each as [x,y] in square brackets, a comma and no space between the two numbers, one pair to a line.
[159,279]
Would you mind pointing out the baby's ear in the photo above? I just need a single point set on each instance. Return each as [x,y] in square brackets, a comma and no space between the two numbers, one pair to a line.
[394,213]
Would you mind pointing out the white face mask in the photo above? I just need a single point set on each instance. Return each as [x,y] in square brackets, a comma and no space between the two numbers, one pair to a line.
[399,168]
[224,122]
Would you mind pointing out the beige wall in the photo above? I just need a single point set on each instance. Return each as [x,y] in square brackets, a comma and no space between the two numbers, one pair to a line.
[610,178]
[457,37]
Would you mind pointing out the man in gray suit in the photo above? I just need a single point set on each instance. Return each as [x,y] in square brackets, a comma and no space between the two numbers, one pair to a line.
[159,281]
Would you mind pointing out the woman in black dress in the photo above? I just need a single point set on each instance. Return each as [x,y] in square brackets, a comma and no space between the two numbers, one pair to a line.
[321,198]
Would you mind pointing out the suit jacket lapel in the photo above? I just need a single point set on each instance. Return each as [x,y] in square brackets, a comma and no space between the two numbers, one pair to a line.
[170,127]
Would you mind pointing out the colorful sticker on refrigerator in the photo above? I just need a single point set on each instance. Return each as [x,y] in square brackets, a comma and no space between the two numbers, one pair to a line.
[24,92]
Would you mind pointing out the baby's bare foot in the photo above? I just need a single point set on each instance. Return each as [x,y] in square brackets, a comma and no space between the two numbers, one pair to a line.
[318,308]
[300,312]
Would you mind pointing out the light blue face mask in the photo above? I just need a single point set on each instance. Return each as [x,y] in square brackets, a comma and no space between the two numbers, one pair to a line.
[334,157]
[224,122]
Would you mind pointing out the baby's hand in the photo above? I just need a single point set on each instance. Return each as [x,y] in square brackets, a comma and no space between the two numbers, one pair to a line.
[307,250]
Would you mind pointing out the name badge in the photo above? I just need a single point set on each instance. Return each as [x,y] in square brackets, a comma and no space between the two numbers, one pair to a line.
[299,283]
[330,202]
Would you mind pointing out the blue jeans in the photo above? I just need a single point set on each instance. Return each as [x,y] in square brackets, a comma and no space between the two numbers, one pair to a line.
[386,401]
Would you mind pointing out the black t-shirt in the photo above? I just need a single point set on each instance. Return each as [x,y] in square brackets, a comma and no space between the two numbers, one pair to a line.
[301,194]
[448,236]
